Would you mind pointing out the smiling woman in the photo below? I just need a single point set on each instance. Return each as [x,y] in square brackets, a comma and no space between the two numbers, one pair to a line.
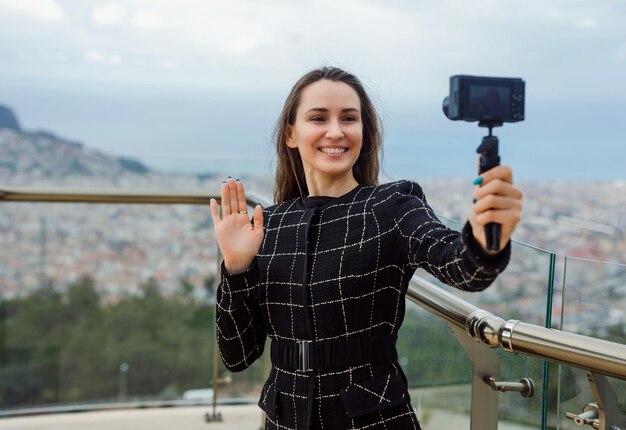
[327,133]
[332,107]
[325,270]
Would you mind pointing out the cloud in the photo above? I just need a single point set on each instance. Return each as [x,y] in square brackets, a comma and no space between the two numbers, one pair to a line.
[147,19]
[400,49]
[108,14]
[47,10]
[228,36]
[54,56]
[168,64]
[587,23]
[620,53]
[99,57]
[244,42]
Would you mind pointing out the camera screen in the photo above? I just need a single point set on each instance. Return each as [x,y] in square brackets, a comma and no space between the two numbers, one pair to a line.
[489,101]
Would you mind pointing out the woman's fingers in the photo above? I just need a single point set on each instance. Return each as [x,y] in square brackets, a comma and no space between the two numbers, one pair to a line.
[496,200]
[242,206]
[233,198]
[504,217]
[215,212]
[232,190]
[498,187]
[238,240]
[226,210]
[505,173]
[258,217]
[493,201]
[500,209]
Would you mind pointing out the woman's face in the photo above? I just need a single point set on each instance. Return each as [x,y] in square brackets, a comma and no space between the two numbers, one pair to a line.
[328,131]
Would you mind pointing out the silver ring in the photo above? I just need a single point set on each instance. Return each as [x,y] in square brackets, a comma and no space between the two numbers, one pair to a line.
[243,212]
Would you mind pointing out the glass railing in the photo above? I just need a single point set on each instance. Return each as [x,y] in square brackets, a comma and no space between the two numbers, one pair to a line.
[437,369]
[144,332]
[115,305]
[594,304]
[109,306]
[441,376]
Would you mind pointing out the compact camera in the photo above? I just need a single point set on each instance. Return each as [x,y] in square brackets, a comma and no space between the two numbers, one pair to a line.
[492,102]
[485,99]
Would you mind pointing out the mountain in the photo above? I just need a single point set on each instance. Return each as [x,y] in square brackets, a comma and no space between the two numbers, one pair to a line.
[8,120]
[41,157]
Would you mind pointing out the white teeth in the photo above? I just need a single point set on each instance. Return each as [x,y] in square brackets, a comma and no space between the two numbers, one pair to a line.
[333,150]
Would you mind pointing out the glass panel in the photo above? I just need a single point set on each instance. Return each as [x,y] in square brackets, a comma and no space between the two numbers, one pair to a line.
[516,411]
[109,303]
[439,374]
[524,292]
[437,369]
[65,338]
[594,303]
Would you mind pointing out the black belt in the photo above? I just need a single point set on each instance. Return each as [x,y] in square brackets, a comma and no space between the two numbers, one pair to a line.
[307,355]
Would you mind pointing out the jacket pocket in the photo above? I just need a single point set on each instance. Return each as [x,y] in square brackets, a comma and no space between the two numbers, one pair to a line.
[267,402]
[377,394]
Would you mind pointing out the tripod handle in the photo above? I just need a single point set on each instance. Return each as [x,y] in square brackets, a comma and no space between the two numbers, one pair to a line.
[489,158]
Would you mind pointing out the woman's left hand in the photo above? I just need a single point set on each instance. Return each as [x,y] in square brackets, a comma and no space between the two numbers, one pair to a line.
[497,200]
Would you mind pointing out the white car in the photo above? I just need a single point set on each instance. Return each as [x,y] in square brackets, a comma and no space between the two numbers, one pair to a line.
[200,394]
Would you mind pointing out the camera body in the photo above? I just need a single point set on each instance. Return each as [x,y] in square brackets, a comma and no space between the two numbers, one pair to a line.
[485,99]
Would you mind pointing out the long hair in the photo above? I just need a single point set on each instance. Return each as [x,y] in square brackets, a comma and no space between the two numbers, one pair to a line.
[290,181]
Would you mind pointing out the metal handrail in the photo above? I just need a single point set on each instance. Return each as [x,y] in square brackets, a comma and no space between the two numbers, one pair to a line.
[607,358]
[585,352]
[598,357]
[115,195]
[84,195]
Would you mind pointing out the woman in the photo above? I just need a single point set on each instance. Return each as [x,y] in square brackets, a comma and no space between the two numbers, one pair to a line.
[325,270]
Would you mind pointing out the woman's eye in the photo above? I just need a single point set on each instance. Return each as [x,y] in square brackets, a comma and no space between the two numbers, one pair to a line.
[350,118]
[317,118]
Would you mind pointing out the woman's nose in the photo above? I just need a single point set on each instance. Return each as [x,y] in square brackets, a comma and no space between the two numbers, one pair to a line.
[334,131]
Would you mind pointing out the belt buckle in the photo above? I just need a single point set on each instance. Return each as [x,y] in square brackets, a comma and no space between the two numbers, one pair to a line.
[304,362]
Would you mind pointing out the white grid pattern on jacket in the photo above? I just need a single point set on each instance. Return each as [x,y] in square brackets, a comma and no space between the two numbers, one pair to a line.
[357,254]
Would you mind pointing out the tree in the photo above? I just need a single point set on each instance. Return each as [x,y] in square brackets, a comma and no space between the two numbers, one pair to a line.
[210,286]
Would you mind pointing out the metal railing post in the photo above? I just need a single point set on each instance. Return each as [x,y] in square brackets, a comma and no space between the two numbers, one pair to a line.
[215,416]
[485,363]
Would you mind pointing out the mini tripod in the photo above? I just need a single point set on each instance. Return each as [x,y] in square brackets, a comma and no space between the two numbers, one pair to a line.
[490,158]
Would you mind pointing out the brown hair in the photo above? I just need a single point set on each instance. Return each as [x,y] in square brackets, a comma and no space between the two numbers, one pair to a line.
[290,181]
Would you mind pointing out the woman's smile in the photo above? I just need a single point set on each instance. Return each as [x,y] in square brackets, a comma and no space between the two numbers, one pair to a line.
[333,151]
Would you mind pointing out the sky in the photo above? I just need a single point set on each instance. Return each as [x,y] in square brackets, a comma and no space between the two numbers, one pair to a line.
[197,85]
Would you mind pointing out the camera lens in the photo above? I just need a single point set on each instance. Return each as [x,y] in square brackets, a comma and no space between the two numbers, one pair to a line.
[445,105]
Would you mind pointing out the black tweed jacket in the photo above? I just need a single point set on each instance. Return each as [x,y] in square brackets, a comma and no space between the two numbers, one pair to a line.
[339,268]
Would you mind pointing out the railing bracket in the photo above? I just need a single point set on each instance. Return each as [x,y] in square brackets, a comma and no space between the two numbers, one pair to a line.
[603,414]
[589,416]
[525,386]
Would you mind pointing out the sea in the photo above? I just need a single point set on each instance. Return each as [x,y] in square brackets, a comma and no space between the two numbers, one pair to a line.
[231,134]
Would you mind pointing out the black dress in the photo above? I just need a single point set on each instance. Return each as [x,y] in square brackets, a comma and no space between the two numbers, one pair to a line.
[338,268]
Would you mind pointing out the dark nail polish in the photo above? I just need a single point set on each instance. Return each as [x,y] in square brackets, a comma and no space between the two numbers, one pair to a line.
[474,200]
[223,182]
[230,177]
[237,180]
[478,180]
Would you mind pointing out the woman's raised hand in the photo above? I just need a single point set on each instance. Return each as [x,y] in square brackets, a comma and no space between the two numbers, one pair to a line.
[497,200]
[238,239]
